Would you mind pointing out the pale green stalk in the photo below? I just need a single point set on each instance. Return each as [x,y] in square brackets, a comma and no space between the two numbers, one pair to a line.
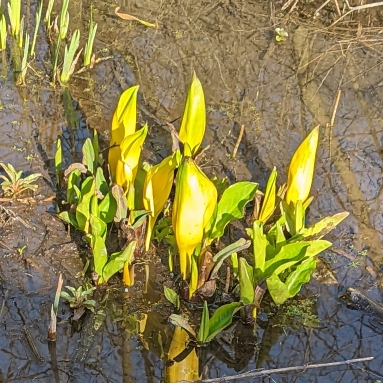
[64,19]
[56,59]
[24,64]
[14,12]
[3,33]
[47,18]
[21,34]
[89,44]
[58,160]
[38,19]
[69,57]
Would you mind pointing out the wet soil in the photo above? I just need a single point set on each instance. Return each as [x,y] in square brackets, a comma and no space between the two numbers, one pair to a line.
[278,92]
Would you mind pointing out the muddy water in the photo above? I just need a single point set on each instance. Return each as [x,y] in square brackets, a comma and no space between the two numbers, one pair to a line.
[278,92]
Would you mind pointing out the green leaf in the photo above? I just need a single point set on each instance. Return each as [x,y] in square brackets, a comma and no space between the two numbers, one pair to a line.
[100,255]
[172,297]
[83,208]
[222,318]
[107,208]
[32,178]
[98,227]
[246,282]
[101,183]
[203,331]
[235,247]
[180,321]
[230,207]
[69,218]
[268,203]
[88,157]
[316,247]
[117,261]
[324,226]
[122,207]
[260,244]
[300,276]
[287,257]
[234,264]
[58,155]
[277,289]
[73,180]
[96,148]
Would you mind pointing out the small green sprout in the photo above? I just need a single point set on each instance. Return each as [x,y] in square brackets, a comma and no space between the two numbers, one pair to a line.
[13,184]
[281,35]
[79,298]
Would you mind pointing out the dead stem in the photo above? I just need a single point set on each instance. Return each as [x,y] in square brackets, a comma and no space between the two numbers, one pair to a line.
[332,121]
[252,374]
[239,139]
[358,8]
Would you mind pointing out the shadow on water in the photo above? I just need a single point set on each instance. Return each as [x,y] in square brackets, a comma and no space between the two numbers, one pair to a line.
[278,92]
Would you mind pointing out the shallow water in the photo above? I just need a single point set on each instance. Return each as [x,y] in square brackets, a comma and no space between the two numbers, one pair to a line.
[278,92]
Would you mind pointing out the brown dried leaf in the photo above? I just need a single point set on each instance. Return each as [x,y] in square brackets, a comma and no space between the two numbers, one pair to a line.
[126,16]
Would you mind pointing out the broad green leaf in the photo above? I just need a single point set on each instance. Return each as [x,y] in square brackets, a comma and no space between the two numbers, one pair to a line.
[100,255]
[193,123]
[107,208]
[287,257]
[98,227]
[180,321]
[117,261]
[122,207]
[94,205]
[222,318]
[73,180]
[101,183]
[88,157]
[260,244]
[277,289]
[324,226]
[246,282]
[235,247]
[300,276]
[83,208]
[316,247]
[230,207]
[172,297]
[268,203]
[203,331]
[69,218]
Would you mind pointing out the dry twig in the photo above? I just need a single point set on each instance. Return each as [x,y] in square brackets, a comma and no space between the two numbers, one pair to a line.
[252,374]
[358,8]
[239,139]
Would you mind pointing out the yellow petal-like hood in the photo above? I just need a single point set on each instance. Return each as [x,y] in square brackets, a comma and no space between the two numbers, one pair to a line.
[301,169]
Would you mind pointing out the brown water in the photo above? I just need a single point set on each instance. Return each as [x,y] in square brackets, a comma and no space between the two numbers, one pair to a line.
[278,92]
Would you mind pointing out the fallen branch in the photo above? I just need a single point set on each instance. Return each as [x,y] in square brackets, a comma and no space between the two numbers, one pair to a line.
[252,374]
